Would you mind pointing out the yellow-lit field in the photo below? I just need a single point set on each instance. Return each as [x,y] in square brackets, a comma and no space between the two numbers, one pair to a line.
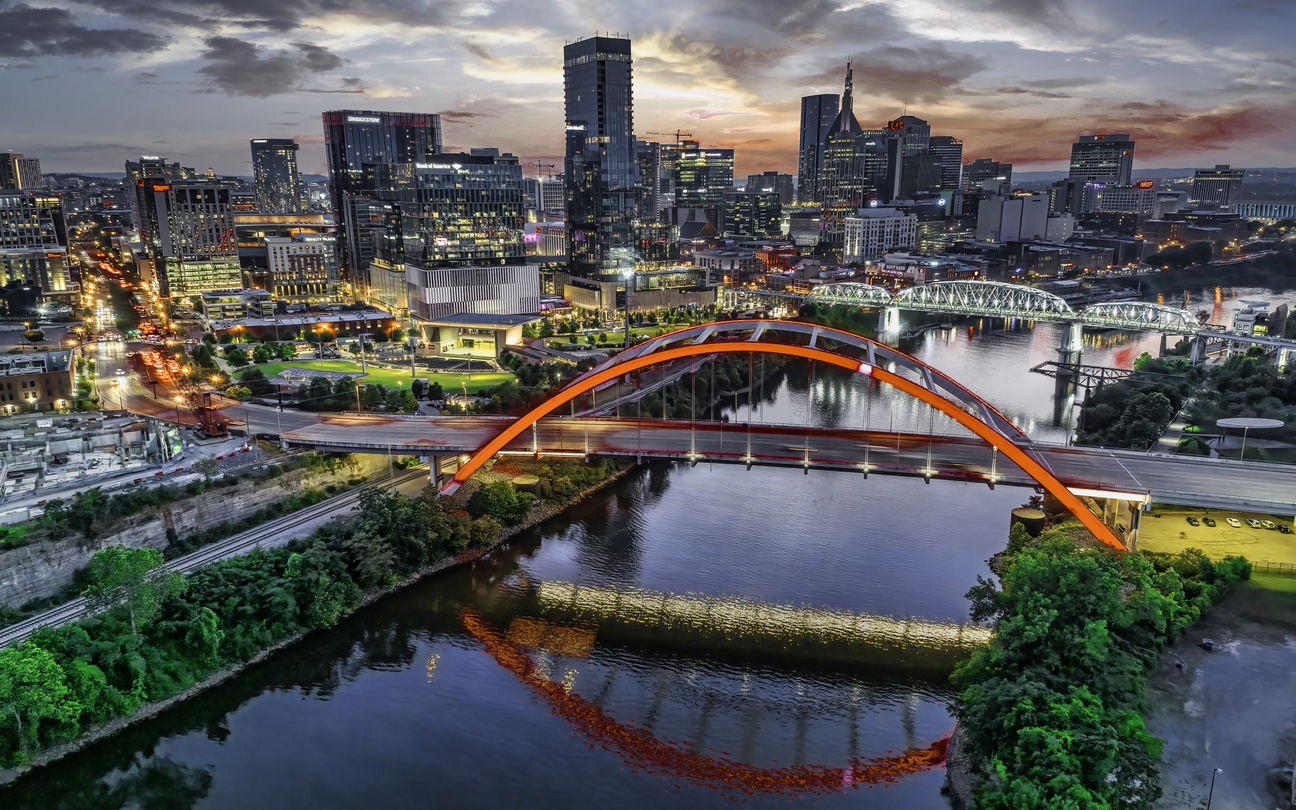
[1171,532]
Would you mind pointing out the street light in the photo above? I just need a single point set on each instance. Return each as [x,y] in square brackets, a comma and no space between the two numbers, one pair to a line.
[1211,795]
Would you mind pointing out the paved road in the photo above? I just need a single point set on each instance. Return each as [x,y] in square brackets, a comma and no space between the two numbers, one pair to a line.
[1218,483]
[269,535]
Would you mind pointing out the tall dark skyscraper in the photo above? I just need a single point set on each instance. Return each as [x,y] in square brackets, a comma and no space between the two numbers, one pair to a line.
[274,172]
[1102,159]
[817,115]
[1219,186]
[18,172]
[601,165]
[950,152]
[354,139]
[854,160]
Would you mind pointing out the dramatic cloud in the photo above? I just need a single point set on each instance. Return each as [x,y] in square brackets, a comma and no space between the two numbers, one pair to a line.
[28,32]
[240,68]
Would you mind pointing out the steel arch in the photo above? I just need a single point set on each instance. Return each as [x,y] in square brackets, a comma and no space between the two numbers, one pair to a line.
[851,293]
[985,421]
[1139,315]
[994,299]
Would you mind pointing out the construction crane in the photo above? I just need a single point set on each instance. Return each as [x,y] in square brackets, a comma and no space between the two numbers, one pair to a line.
[677,133]
[548,167]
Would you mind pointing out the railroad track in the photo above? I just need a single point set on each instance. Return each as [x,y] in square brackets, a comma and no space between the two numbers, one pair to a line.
[241,543]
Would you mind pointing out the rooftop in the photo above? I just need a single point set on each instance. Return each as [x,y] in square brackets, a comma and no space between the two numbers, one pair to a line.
[479,320]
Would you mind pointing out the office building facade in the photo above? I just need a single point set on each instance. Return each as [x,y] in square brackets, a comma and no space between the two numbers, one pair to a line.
[984,173]
[356,142]
[302,268]
[277,183]
[19,173]
[702,176]
[501,289]
[187,227]
[1219,187]
[1140,198]
[1013,219]
[33,243]
[875,232]
[601,166]
[817,116]
[780,184]
[750,214]
[1107,159]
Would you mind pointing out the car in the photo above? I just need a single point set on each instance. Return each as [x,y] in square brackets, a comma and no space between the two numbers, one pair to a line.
[1253,523]
[1268,524]
[1234,522]
[1209,522]
[1284,528]
[1192,521]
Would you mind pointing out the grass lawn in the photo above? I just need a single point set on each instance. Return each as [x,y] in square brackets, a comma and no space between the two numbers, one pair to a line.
[452,383]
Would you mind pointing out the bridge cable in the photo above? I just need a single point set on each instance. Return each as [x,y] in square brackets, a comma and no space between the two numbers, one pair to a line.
[809,406]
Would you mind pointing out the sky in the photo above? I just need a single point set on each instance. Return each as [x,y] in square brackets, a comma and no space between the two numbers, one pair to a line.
[86,85]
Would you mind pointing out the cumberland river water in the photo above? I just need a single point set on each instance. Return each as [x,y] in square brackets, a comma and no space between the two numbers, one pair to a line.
[471,690]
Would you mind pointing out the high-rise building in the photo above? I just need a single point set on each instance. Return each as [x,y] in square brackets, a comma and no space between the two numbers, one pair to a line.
[950,152]
[150,166]
[853,162]
[702,176]
[1219,187]
[33,242]
[780,184]
[1103,159]
[817,115]
[356,142]
[650,180]
[874,232]
[601,166]
[988,174]
[274,173]
[187,227]
[1013,219]
[301,268]
[18,172]
[750,214]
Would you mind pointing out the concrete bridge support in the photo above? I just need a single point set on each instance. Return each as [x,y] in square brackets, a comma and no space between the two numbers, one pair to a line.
[889,320]
[1197,355]
[441,469]
[1072,343]
[1123,516]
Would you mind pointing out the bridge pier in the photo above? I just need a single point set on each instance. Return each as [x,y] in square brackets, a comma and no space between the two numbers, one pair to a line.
[441,469]
[1072,343]
[1197,355]
[889,320]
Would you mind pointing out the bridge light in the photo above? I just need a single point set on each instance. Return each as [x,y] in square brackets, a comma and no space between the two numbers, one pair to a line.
[866,369]
[1138,497]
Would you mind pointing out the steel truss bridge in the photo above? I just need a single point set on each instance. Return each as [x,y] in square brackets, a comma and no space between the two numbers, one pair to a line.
[995,299]
[1097,376]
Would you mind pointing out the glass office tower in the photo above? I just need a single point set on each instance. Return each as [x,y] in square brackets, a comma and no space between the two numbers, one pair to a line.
[275,178]
[601,165]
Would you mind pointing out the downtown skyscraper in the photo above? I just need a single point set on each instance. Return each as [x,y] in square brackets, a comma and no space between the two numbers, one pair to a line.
[356,142]
[601,165]
[817,116]
[1107,159]
[276,181]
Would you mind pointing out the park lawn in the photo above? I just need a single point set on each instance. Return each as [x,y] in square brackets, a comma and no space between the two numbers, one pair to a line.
[452,383]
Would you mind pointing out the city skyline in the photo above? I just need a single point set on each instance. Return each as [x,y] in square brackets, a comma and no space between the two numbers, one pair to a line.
[1195,84]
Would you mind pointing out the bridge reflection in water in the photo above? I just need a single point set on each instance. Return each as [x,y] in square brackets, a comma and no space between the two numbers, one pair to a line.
[642,750]
[743,626]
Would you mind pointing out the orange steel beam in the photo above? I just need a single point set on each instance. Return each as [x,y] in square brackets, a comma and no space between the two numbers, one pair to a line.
[994,437]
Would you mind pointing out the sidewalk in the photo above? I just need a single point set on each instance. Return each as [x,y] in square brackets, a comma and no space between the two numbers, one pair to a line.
[1173,433]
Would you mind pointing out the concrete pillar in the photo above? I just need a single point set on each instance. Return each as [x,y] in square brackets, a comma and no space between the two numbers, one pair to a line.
[1197,355]
[1131,537]
[1163,345]
[889,320]
[1284,357]
[1072,344]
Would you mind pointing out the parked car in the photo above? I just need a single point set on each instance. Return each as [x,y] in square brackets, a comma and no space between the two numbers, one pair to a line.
[1282,527]
[1192,521]
[1253,523]
[1268,524]
[1209,522]
[1234,522]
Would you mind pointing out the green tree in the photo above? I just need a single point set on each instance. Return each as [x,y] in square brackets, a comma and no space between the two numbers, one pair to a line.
[33,689]
[208,467]
[236,357]
[121,576]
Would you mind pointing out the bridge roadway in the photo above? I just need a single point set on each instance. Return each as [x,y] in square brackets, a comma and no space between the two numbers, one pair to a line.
[1184,480]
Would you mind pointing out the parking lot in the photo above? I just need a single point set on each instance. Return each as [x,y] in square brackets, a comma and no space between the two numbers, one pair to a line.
[1172,532]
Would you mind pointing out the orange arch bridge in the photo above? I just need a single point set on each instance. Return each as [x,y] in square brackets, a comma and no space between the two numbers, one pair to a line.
[825,345]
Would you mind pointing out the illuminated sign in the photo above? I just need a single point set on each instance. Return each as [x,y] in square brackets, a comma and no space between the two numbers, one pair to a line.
[575,128]
[1146,183]
[895,125]
[262,140]
[149,157]
[363,119]
[436,165]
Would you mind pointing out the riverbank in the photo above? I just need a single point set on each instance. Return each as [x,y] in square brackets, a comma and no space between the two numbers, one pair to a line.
[537,515]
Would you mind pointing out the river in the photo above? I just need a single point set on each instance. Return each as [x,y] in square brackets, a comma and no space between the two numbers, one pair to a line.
[455,693]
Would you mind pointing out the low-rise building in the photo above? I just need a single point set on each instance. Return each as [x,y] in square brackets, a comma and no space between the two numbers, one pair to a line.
[36,382]
[226,305]
[878,231]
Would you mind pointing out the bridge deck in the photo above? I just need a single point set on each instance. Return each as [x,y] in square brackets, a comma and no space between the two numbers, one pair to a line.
[1186,480]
